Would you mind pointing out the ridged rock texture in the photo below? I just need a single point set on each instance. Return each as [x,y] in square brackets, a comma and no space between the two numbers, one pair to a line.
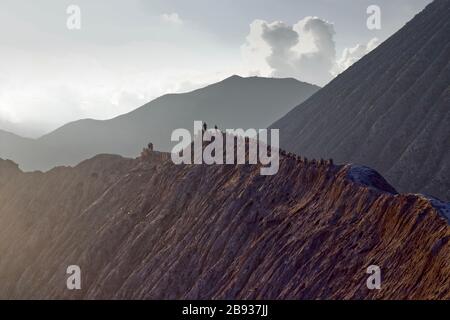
[390,110]
[148,229]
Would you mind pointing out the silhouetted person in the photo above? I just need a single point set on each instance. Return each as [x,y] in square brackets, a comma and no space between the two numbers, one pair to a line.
[150,146]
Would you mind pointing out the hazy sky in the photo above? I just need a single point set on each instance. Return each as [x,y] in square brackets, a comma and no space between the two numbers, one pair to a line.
[129,52]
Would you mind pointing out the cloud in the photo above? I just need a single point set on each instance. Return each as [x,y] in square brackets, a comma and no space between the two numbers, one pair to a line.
[172,18]
[351,55]
[305,50]
[48,86]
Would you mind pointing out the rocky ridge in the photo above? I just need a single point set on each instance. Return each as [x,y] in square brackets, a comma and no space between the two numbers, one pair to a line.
[149,229]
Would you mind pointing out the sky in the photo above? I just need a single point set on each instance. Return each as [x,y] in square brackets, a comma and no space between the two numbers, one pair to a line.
[126,53]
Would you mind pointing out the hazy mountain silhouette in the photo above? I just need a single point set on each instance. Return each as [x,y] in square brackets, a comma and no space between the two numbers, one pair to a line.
[20,130]
[235,102]
[390,110]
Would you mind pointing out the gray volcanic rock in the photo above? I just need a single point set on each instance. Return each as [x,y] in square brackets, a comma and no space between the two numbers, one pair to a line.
[149,229]
[235,102]
[390,110]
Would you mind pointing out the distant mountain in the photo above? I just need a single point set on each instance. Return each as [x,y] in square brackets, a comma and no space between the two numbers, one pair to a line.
[390,110]
[235,102]
[19,129]
[148,229]
[12,144]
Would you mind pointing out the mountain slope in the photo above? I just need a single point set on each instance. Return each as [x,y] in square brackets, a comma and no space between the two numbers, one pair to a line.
[13,146]
[390,110]
[149,229]
[7,137]
[18,129]
[232,103]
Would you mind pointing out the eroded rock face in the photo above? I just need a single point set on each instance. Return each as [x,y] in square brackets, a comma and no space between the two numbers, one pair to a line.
[149,229]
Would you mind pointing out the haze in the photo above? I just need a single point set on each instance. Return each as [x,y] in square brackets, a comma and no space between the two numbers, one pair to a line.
[127,53]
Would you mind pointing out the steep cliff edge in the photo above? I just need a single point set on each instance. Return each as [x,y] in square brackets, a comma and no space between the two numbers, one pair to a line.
[150,229]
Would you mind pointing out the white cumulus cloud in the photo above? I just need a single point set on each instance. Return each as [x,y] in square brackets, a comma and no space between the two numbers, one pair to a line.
[351,55]
[305,50]
[172,18]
